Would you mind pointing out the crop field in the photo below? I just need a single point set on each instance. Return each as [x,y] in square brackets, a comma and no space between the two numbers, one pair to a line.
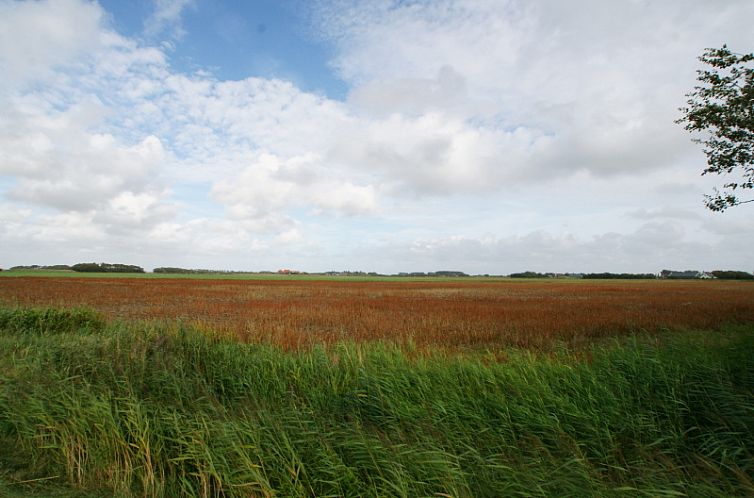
[468,313]
[138,387]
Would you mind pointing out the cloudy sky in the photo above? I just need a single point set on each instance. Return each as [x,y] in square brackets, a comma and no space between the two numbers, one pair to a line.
[488,136]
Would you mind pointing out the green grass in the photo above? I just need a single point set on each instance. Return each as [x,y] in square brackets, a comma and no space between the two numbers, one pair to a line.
[49,321]
[88,409]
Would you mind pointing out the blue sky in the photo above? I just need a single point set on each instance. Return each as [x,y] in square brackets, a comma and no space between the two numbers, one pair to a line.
[238,39]
[482,136]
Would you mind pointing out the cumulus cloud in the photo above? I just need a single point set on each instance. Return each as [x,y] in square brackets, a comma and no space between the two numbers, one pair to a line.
[602,81]
[58,141]
[269,184]
[83,179]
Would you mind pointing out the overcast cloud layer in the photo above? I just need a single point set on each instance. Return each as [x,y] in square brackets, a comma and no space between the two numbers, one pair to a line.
[484,136]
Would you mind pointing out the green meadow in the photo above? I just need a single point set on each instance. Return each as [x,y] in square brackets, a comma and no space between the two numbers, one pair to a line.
[90,409]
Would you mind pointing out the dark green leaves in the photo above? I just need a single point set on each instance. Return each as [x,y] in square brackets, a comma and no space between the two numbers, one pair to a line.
[721,109]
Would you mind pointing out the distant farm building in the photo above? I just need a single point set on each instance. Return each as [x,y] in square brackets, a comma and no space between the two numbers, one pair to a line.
[687,274]
[286,271]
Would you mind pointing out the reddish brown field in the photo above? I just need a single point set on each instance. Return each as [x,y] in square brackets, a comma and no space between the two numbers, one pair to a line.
[466,313]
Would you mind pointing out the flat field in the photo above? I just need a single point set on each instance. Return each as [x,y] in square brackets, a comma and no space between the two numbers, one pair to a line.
[462,313]
[462,388]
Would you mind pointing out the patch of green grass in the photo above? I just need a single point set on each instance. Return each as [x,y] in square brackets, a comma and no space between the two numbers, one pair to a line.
[154,410]
[49,320]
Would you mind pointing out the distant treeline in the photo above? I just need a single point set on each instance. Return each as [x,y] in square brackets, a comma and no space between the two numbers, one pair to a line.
[203,271]
[732,275]
[121,268]
[534,274]
[352,273]
[86,267]
[531,274]
[106,268]
[444,273]
[40,267]
[625,276]
[171,269]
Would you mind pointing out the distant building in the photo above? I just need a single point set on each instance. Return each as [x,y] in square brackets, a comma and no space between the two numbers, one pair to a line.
[687,274]
[286,271]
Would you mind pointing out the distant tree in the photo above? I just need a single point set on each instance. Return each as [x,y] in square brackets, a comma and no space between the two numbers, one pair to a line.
[191,271]
[106,268]
[528,274]
[170,269]
[722,108]
[86,267]
[121,268]
[732,275]
[622,276]
[449,273]
[57,267]
[42,267]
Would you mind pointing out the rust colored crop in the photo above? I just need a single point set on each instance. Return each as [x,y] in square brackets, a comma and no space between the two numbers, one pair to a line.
[452,314]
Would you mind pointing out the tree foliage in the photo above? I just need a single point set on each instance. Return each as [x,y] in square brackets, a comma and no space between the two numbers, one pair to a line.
[732,275]
[722,110]
[621,276]
[529,274]
[106,268]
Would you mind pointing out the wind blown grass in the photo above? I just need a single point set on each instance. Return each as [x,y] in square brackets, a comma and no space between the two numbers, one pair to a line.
[149,410]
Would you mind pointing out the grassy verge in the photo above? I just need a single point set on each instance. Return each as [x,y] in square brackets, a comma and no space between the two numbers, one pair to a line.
[89,409]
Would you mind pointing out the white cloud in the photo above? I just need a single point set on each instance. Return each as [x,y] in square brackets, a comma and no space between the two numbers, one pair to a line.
[57,139]
[96,170]
[436,153]
[345,197]
[12,215]
[37,37]
[50,229]
[268,184]
[669,212]
[167,16]
[412,96]
[602,80]
[650,248]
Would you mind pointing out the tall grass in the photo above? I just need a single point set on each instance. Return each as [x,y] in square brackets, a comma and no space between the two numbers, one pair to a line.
[49,320]
[146,410]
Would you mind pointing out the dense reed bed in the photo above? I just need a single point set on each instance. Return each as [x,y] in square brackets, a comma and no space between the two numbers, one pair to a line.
[465,313]
[89,408]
